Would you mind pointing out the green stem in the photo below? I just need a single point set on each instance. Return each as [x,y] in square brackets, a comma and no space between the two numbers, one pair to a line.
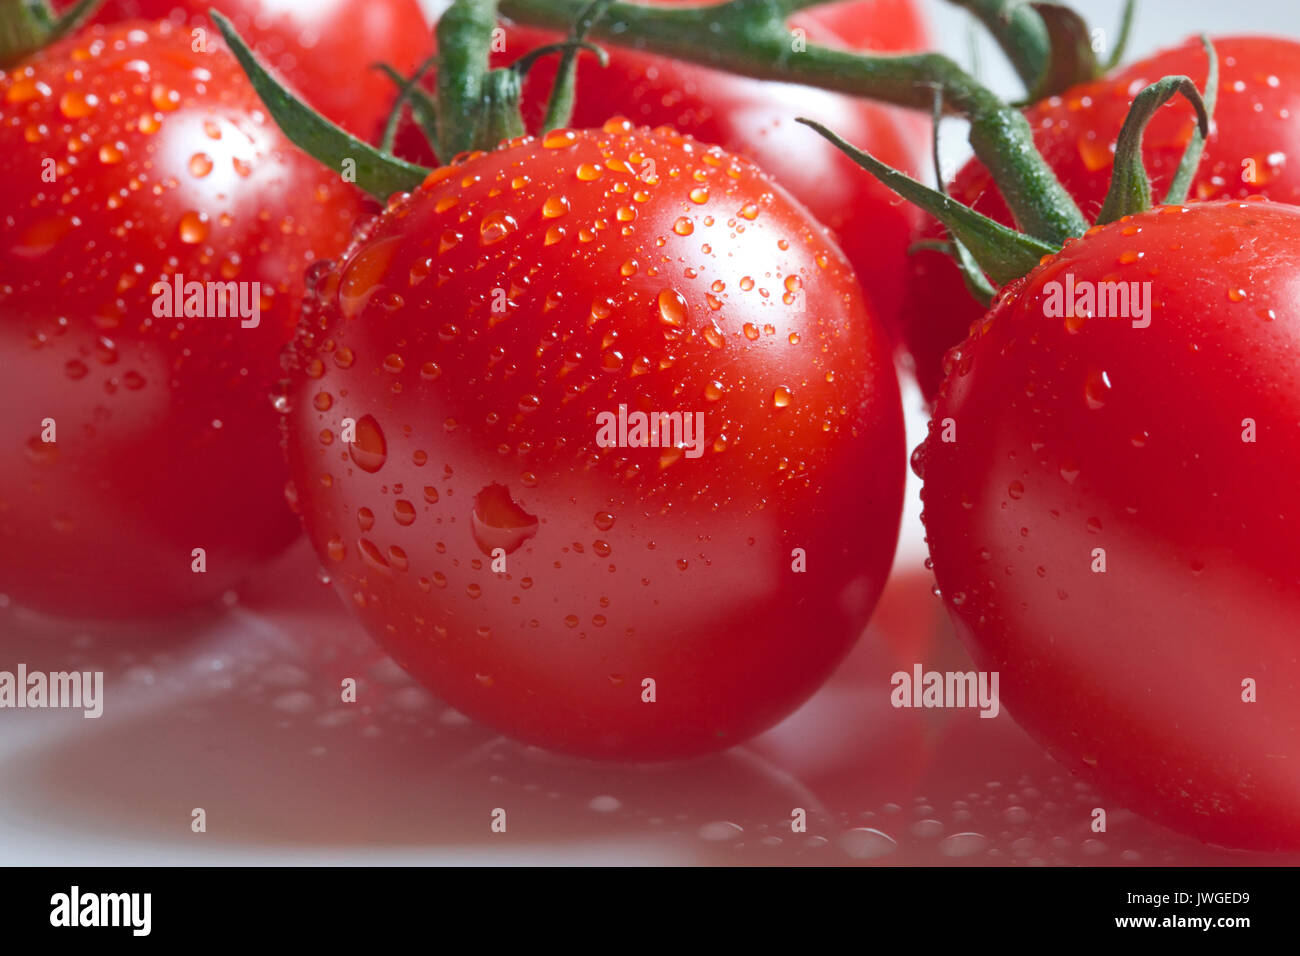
[405,88]
[1130,190]
[477,105]
[559,109]
[750,37]
[376,172]
[1018,30]
[30,25]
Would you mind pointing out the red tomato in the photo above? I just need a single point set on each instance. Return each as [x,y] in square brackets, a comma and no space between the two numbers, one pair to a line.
[129,158]
[1248,153]
[755,118]
[322,48]
[1113,523]
[479,336]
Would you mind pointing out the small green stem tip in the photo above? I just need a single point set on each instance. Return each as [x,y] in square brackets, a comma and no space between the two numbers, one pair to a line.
[1130,189]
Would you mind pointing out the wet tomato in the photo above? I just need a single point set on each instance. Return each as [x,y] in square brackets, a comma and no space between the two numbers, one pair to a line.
[133,437]
[1250,152]
[754,118]
[458,399]
[1110,508]
[324,49]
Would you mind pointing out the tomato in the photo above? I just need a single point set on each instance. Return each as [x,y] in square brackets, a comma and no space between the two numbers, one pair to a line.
[451,396]
[322,48]
[129,160]
[1247,154]
[755,118]
[1111,514]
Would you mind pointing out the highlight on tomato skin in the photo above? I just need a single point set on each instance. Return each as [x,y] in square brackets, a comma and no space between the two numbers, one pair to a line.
[323,49]
[139,442]
[517,531]
[1109,513]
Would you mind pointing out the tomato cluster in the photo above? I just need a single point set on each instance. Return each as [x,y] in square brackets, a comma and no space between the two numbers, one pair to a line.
[606,417]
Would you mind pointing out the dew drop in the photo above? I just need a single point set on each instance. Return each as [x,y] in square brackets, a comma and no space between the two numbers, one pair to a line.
[498,521]
[370,450]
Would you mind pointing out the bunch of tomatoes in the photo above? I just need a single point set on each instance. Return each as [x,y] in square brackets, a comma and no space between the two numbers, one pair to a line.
[1109,508]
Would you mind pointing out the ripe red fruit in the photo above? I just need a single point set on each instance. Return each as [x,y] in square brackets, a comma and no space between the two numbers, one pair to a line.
[324,49]
[1111,515]
[129,159]
[476,336]
[1247,154]
[754,118]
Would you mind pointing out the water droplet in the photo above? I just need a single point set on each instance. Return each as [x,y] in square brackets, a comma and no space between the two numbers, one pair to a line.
[498,521]
[781,396]
[960,845]
[720,831]
[370,450]
[672,308]
[200,165]
[555,206]
[1096,388]
[193,227]
[496,226]
[866,843]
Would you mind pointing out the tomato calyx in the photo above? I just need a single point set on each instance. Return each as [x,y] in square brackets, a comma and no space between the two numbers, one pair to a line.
[476,106]
[30,25]
[1130,189]
[1004,254]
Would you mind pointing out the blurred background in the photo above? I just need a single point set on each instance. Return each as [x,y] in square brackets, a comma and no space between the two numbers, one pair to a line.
[238,714]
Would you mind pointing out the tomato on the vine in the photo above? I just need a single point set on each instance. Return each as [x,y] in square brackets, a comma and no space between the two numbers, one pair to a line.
[452,394]
[134,435]
[324,49]
[1250,151]
[1110,506]
[754,118]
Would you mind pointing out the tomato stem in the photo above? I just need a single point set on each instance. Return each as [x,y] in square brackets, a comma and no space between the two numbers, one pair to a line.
[1130,189]
[559,108]
[750,37]
[1001,252]
[475,102]
[1019,31]
[30,25]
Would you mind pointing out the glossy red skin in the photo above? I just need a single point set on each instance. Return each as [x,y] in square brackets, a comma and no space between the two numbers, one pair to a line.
[939,310]
[755,118]
[102,523]
[324,49]
[1133,677]
[692,584]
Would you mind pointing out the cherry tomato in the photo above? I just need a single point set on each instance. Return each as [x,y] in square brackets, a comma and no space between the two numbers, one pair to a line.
[131,438]
[1110,509]
[1248,153]
[755,118]
[324,49]
[447,398]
